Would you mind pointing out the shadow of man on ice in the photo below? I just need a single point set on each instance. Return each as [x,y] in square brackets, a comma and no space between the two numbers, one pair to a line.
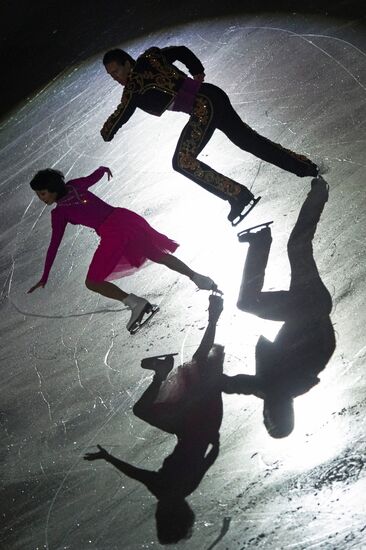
[289,366]
[189,405]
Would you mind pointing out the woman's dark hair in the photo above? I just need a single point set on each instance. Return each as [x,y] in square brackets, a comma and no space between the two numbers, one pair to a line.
[120,56]
[51,180]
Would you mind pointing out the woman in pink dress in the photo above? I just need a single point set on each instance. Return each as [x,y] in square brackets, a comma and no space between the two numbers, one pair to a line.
[127,241]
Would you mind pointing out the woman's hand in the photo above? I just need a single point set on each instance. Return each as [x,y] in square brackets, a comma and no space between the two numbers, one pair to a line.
[108,172]
[40,284]
[97,456]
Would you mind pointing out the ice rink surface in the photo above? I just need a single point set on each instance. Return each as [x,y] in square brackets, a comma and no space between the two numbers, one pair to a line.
[71,372]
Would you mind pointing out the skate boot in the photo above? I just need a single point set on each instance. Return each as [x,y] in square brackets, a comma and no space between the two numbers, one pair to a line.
[238,211]
[278,415]
[160,364]
[248,235]
[307,168]
[139,308]
[204,283]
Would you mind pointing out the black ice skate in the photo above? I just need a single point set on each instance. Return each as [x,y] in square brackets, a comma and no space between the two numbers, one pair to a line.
[139,309]
[247,235]
[306,167]
[161,364]
[240,210]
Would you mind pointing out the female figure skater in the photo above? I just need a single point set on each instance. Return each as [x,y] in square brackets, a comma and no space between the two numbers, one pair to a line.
[126,239]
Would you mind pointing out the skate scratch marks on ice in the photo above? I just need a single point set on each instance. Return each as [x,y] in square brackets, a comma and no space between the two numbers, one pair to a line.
[99,398]
[60,316]
[40,381]
[76,461]
[105,360]
[9,278]
[303,37]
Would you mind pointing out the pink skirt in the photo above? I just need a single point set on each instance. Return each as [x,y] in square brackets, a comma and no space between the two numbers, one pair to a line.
[127,241]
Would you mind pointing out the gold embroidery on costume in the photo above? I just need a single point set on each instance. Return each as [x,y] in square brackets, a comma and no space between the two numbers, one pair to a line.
[161,76]
[189,148]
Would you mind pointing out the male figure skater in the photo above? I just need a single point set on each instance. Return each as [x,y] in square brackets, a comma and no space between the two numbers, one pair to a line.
[154,84]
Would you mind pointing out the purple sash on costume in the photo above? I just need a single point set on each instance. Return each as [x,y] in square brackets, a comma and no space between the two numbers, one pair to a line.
[186,96]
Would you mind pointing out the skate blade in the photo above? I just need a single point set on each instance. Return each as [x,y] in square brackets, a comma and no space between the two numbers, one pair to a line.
[243,235]
[149,310]
[244,214]
[149,362]
[161,364]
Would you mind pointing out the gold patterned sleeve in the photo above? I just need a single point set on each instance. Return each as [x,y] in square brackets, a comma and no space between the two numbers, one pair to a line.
[120,116]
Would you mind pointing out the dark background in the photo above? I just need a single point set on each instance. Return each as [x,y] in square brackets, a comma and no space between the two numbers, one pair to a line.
[41,38]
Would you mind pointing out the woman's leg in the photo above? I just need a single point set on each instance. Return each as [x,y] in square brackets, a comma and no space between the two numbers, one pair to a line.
[109,290]
[138,306]
[175,264]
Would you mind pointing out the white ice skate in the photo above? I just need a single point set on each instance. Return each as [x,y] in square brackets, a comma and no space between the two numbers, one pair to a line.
[139,309]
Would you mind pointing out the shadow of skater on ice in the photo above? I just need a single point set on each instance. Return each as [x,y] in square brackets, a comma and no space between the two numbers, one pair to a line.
[289,366]
[188,404]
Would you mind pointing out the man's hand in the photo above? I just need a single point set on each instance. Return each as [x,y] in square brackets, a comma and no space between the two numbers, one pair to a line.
[108,172]
[40,284]
[97,456]
[200,77]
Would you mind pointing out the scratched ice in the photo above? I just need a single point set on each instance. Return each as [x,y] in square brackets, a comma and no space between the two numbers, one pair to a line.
[71,373]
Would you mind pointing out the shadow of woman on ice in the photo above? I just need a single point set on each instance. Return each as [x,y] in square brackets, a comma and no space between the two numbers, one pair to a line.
[189,405]
[289,366]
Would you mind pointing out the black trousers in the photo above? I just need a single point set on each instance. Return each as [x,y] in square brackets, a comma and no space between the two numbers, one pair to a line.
[212,109]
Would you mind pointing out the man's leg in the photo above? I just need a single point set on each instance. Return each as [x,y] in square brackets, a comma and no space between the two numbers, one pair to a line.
[193,139]
[159,415]
[306,284]
[247,139]
[267,305]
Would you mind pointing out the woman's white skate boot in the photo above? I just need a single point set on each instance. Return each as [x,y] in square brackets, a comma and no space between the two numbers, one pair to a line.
[139,308]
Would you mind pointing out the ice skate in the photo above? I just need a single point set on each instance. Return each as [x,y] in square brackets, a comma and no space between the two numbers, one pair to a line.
[278,415]
[160,364]
[308,168]
[139,309]
[239,211]
[249,234]
[204,283]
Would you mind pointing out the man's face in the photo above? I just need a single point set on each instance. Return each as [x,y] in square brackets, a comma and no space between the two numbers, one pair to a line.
[118,72]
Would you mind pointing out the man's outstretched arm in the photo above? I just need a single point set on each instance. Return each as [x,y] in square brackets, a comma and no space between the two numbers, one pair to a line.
[120,116]
[185,56]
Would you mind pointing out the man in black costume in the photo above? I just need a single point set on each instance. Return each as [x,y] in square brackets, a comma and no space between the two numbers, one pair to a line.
[154,84]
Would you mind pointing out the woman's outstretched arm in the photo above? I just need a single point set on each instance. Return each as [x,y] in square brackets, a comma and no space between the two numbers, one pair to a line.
[58,230]
[92,179]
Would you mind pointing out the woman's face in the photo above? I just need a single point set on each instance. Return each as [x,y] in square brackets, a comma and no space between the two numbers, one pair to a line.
[46,196]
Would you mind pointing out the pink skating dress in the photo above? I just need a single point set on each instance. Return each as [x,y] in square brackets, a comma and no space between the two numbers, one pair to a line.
[127,241]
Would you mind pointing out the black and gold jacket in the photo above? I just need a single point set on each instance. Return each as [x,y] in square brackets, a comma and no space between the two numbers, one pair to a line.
[152,85]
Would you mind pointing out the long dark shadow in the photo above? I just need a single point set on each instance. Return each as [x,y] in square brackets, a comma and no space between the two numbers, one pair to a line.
[188,404]
[289,366]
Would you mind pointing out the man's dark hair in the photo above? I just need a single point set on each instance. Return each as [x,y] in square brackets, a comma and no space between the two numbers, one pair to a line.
[120,56]
[174,520]
[51,180]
